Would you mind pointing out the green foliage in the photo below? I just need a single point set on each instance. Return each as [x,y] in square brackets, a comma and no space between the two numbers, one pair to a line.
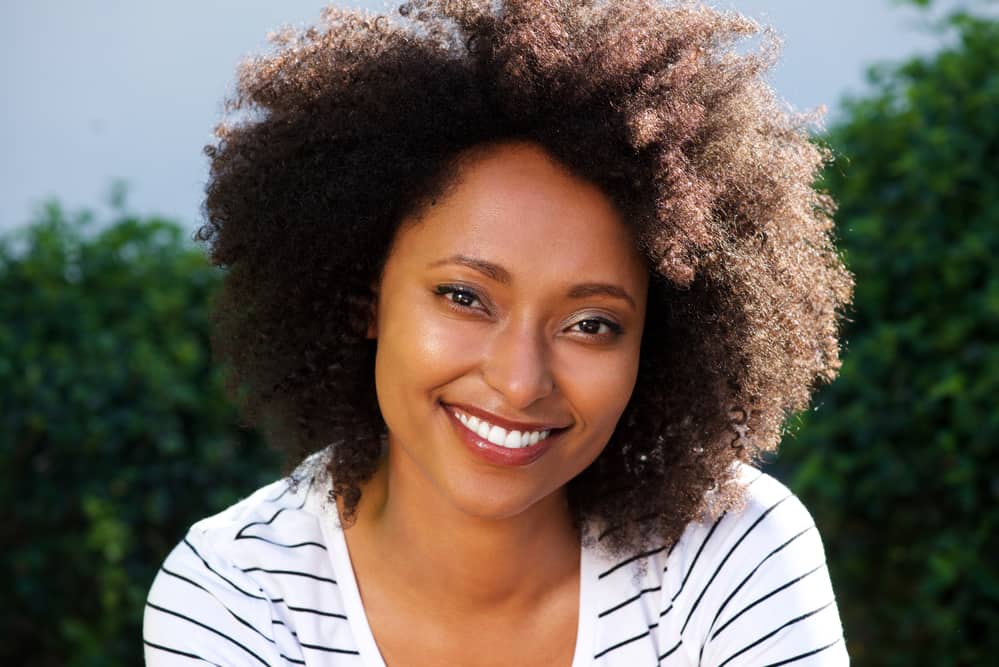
[114,433]
[899,461]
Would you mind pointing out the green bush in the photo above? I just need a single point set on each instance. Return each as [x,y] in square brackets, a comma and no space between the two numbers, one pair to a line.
[114,432]
[899,460]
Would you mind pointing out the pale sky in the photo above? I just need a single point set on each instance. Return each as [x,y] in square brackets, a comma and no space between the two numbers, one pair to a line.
[101,90]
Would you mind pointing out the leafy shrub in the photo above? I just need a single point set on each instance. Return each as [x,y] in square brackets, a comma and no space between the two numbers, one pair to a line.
[899,461]
[114,433]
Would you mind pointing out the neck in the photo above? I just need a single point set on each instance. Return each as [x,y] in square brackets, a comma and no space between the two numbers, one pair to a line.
[448,556]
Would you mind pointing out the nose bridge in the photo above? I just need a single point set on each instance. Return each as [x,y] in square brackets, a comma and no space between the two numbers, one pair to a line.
[518,362]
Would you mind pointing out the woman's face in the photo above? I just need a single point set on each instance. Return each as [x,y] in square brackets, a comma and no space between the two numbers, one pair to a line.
[508,325]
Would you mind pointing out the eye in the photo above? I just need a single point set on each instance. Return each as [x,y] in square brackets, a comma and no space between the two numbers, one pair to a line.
[598,326]
[459,296]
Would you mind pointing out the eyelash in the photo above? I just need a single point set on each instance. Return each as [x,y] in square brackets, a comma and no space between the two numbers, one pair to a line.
[450,291]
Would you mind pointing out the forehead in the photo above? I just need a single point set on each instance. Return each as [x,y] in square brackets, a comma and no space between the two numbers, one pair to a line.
[516,205]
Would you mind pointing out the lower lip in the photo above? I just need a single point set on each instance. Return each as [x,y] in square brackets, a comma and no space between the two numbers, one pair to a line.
[497,455]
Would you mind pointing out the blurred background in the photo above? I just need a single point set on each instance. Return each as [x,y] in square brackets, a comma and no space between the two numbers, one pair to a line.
[115,435]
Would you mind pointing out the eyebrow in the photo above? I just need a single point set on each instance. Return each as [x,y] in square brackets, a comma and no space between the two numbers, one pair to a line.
[600,289]
[494,271]
[501,275]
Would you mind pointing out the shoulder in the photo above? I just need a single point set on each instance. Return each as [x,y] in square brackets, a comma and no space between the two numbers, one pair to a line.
[750,587]
[249,585]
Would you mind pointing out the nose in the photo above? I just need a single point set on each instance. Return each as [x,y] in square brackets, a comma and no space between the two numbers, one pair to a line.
[518,364]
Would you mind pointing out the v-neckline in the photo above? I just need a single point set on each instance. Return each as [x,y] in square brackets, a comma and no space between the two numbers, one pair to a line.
[357,618]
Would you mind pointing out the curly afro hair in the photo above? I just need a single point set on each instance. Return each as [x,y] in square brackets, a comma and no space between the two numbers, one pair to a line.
[346,128]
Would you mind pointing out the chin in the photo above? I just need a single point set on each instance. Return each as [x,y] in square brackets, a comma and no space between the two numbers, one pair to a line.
[475,499]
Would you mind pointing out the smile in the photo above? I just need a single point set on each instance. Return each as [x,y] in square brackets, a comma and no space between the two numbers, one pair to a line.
[498,435]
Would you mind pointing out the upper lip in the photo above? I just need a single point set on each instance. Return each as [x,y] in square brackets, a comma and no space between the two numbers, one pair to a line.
[502,422]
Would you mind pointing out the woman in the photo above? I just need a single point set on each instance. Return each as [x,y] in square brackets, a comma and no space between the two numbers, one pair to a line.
[524,289]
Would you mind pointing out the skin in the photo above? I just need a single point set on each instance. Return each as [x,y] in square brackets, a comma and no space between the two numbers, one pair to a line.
[487,301]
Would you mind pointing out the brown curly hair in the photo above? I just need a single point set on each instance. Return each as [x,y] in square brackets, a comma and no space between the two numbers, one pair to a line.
[347,128]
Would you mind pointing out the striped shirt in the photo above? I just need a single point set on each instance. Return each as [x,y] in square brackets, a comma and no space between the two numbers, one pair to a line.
[269,582]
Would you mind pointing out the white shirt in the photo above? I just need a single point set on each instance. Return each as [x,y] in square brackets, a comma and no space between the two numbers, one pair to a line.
[269,582]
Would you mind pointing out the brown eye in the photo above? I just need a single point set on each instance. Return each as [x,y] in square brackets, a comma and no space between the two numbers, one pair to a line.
[459,296]
[597,327]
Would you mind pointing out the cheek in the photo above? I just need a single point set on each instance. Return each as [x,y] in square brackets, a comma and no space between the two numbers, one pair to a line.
[418,352]
[599,386]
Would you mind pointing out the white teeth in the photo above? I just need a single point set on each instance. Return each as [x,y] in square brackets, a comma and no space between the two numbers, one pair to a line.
[499,435]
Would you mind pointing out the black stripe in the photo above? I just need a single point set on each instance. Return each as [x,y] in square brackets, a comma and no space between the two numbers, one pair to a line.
[277,621]
[344,651]
[231,612]
[620,644]
[693,563]
[697,556]
[773,632]
[222,576]
[237,617]
[805,655]
[724,560]
[292,572]
[752,572]
[671,651]
[305,497]
[307,610]
[651,552]
[278,544]
[183,578]
[269,521]
[629,600]
[176,652]
[269,599]
[206,627]
[287,487]
[768,595]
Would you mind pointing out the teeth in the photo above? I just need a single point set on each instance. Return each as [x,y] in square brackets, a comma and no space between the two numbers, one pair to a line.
[498,435]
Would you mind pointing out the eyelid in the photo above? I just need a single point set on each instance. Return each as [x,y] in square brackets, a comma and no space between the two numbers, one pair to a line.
[445,289]
[616,328]
[601,315]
